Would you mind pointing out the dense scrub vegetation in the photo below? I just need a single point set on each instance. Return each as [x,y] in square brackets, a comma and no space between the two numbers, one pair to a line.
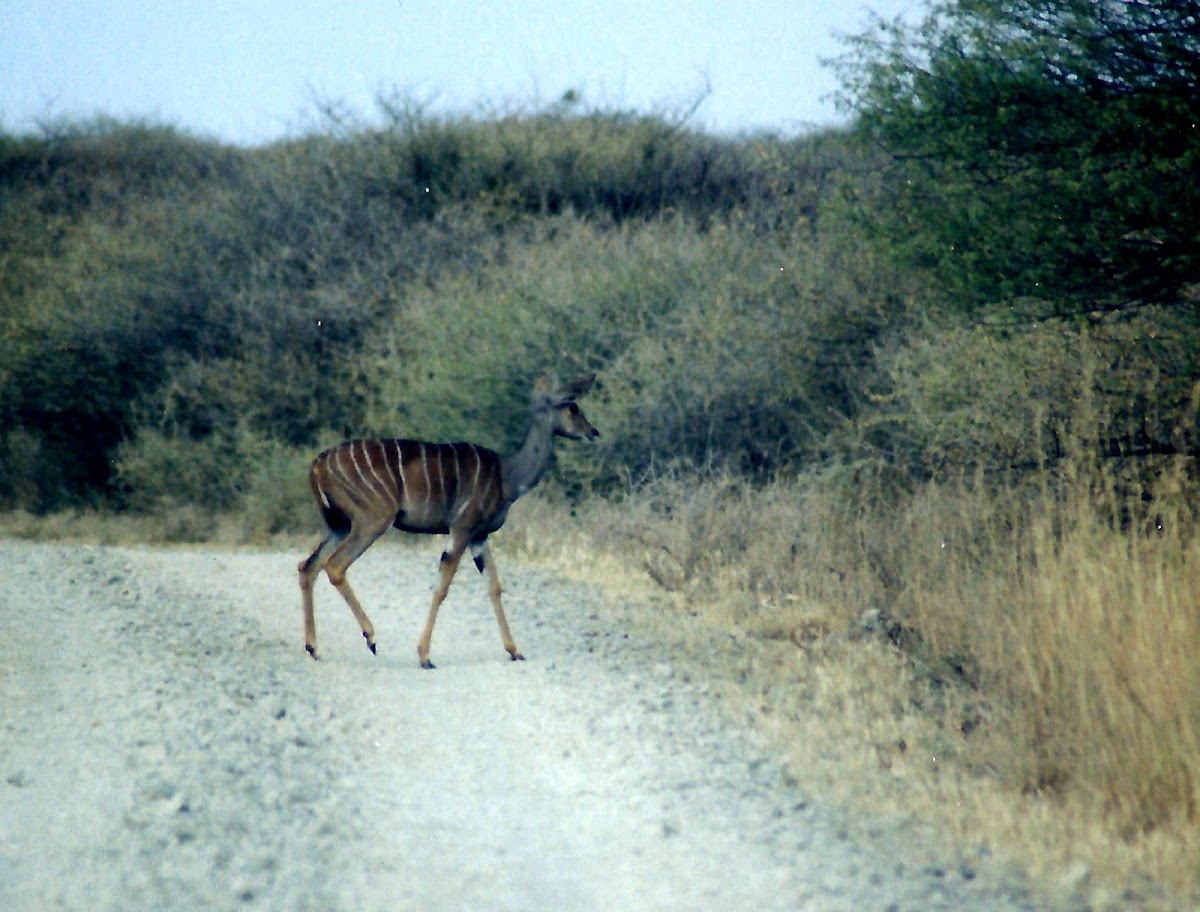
[943,366]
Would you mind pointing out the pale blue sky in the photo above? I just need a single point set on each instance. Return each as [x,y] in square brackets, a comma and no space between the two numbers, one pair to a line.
[249,71]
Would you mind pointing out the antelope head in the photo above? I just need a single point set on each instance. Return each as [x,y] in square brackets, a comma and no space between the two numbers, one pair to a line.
[567,417]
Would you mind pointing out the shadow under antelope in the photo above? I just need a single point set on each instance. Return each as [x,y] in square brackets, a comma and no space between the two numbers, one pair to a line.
[364,486]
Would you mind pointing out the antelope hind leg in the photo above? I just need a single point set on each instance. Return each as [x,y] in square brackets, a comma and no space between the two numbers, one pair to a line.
[364,622]
[347,552]
[308,569]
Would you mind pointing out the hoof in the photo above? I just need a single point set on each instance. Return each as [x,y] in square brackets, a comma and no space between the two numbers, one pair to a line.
[370,643]
[428,664]
[310,649]
[516,657]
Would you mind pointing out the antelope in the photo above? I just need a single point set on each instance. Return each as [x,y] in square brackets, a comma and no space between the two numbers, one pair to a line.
[363,487]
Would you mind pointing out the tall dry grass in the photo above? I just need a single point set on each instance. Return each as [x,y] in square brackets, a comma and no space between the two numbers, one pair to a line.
[1018,661]
[1075,610]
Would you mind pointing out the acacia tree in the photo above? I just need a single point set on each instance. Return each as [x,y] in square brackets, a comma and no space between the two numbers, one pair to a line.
[1042,153]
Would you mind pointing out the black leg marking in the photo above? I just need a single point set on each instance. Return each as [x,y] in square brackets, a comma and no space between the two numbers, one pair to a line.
[479,563]
[445,557]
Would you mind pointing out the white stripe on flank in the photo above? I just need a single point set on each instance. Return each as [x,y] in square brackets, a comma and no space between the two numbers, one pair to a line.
[468,495]
[357,468]
[383,486]
[460,511]
[487,487]
[398,473]
[428,483]
[441,476]
[337,469]
[401,481]
[478,469]
[458,487]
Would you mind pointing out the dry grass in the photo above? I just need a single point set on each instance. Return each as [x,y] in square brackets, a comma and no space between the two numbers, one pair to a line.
[102,528]
[1017,667]
[184,524]
[1075,616]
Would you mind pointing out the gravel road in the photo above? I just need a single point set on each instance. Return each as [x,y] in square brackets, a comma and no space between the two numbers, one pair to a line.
[165,743]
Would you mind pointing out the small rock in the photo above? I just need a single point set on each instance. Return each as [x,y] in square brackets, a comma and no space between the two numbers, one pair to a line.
[870,620]
[1075,876]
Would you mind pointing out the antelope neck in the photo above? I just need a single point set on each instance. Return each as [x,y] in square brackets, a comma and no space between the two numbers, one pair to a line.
[525,468]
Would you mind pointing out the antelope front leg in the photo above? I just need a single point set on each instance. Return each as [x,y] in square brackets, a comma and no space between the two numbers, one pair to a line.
[484,561]
[450,561]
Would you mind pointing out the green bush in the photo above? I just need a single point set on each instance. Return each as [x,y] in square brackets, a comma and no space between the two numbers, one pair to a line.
[163,293]
[260,480]
[155,470]
[962,398]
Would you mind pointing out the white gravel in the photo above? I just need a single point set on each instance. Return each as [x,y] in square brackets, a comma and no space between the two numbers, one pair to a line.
[166,743]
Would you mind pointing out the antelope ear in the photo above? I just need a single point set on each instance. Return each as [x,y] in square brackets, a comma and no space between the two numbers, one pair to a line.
[577,387]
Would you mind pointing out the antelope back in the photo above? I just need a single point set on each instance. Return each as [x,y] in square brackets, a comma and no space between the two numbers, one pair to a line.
[417,486]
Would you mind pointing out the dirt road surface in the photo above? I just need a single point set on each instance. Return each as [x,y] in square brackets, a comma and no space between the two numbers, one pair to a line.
[165,743]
